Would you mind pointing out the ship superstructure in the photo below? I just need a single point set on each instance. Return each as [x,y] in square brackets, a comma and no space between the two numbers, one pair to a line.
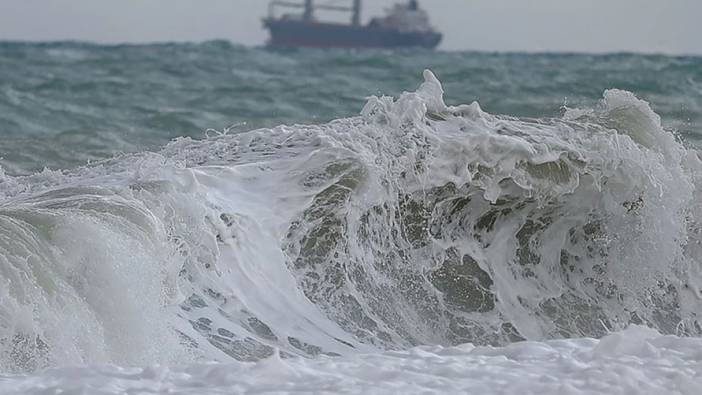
[404,25]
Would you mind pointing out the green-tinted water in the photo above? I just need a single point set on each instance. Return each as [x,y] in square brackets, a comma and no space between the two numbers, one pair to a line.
[63,104]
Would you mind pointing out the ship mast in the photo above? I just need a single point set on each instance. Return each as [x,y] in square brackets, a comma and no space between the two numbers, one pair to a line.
[356,17]
[308,10]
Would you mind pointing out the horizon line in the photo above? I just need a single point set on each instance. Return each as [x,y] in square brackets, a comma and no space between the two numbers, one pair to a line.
[107,43]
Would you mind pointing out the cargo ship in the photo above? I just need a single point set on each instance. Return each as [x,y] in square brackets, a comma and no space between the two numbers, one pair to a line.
[404,25]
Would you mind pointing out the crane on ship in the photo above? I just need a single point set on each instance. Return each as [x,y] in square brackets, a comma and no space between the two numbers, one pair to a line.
[309,7]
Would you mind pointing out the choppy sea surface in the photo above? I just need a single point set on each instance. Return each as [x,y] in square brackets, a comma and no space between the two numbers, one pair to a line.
[64,104]
[210,218]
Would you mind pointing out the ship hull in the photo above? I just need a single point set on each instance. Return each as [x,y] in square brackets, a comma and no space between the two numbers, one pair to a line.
[292,34]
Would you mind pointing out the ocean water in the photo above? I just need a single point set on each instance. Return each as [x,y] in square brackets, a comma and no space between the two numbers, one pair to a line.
[208,218]
[64,104]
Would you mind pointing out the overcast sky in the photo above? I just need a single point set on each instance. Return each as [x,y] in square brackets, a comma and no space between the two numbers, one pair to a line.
[670,26]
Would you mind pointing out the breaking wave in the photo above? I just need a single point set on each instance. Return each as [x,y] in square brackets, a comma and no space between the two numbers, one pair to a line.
[416,223]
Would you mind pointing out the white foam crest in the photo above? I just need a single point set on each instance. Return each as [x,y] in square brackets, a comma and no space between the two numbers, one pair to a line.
[415,223]
[610,193]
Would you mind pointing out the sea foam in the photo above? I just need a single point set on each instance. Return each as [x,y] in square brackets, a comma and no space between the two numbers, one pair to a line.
[413,224]
[637,361]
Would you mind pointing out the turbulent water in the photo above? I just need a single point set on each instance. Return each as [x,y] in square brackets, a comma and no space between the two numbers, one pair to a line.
[64,104]
[396,223]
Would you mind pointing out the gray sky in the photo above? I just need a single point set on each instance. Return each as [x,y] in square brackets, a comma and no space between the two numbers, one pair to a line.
[670,26]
